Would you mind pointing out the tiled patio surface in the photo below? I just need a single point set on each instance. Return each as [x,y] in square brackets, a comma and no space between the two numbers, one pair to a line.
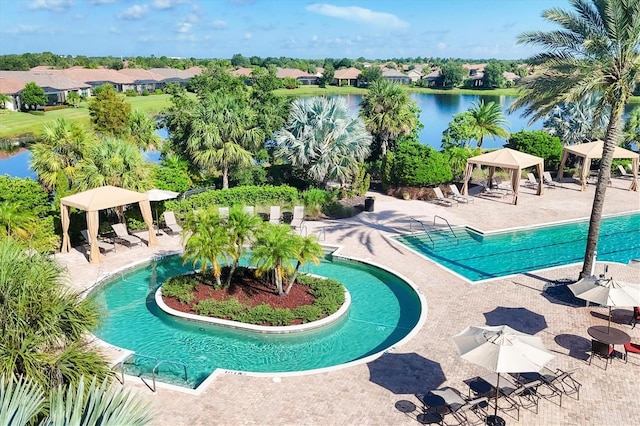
[365,394]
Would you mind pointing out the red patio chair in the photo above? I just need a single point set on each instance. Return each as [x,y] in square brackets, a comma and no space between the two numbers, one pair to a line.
[633,348]
[635,317]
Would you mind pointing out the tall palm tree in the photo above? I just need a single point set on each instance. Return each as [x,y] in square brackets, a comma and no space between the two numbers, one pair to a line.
[241,227]
[387,113]
[141,130]
[323,140]
[578,122]
[223,133]
[307,249]
[632,129]
[16,221]
[207,241]
[273,252]
[42,325]
[489,121]
[63,144]
[595,51]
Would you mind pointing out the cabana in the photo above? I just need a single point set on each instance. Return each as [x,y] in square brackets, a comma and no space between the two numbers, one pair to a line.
[98,199]
[592,150]
[508,159]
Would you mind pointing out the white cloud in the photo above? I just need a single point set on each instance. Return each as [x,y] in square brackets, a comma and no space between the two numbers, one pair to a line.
[133,13]
[219,24]
[22,29]
[114,30]
[53,5]
[247,36]
[103,1]
[166,4]
[184,27]
[314,38]
[358,14]
[442,46]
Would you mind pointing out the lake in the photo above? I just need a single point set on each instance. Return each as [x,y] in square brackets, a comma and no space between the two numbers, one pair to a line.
[436,113]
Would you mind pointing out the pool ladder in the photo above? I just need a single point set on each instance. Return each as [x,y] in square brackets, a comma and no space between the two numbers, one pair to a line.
[426,229]
[157,363]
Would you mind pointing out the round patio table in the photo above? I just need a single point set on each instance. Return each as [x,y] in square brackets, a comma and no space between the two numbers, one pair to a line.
[610,336]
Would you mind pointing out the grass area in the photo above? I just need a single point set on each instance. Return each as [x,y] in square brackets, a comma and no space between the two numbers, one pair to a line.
[13,124]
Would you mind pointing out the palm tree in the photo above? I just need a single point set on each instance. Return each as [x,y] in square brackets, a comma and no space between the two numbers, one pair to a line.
[223,133]
[4,99]
[273,252]
[63,144]
[322,139]
[24,402]
[308,249]
[577,122]
[241,227]
[596,51]
[489,121]
[141,130]
[43,325]
[207,240]
[632,129]
[387,113]
[16,221]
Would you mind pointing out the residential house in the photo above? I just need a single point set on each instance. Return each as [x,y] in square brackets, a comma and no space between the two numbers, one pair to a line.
[56,86]
[303,77]
[414,75]
[144,79]
[242,72]
[395,76]
[100,76]
[432,76]
[346,76]
[510,76]
[12,88]
[173,75]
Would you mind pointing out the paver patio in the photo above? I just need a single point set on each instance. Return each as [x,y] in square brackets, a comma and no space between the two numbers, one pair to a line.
[365,394]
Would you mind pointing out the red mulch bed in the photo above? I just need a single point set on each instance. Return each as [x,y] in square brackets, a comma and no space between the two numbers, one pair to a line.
[248,290]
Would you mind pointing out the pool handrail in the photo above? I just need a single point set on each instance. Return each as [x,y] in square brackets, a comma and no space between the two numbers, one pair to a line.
[424,228]
[447,222]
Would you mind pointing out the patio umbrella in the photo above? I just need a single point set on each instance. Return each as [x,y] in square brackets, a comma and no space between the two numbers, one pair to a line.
[160,195]
[502,349]
[607,292]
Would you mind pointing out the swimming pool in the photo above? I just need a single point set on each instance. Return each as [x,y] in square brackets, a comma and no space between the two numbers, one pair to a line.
[477,257]
[384,310]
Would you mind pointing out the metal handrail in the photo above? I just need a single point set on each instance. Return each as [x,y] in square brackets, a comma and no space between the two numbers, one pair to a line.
[424,228]
[130,357]
[445,221]
[155,370]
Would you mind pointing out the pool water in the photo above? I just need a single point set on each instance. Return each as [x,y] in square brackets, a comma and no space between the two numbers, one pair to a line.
[384,309]
[478,257]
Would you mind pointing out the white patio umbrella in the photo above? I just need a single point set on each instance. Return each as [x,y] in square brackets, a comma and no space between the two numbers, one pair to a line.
[607,292]
[161,195]
[502,349]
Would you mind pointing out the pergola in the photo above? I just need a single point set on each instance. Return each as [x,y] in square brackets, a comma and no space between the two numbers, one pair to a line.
[508,159]
[592,150]
[98,199]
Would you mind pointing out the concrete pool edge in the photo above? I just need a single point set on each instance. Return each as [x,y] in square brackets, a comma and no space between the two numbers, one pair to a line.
[334,251]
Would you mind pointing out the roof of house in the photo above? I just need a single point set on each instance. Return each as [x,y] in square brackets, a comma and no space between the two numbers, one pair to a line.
[46,79]
[291,72]
[389,72]
[242,72]
[87,75]
[511,76]
[10,86]
[174,73]
[477,67]
[350,73]
[434,73]
[139,74]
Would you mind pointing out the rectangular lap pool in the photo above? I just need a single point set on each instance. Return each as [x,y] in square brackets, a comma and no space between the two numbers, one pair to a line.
[479,257]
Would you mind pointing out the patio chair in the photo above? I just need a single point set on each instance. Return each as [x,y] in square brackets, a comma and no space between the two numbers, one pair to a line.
[513,395]
[531,181]
[635,317]
[546,389]
[458,196]
[548,180]
[465,411]
[601,350]
[171,223]
[124,236]
[249,209]
[274,215]
[633,348]
[297,222]
[623,173]
[102,245]
[499,185]
[440,198]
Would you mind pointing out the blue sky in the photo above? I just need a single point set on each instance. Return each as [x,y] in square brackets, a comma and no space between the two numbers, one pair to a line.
[293,28]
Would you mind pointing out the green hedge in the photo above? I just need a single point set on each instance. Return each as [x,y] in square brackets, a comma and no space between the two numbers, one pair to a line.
[240,195]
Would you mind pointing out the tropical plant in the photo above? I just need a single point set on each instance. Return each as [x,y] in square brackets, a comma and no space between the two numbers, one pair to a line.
[460,132]
[307,249]
[32,96]
[63,144]
[595,51]
[141,130]
[632,130]
[323,140]
[416,164]
[241,227]
[223,133]
[538,143]
[578,122]
[73,98]
[273,252]
[452,74]
[457,157]
[24,402]
[16,221]
[4,100]
[493,76]
[489,121]
[388,112]
[109,111]
[207,241]
[43,324]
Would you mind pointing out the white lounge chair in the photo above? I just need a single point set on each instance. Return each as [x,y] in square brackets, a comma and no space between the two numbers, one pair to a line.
[531,181]
[442,200]
[458,196]
[548,180]
[102,245]
[297,222]
[171,223]
[250,209]
[623,172]
[123,235]
[275,215]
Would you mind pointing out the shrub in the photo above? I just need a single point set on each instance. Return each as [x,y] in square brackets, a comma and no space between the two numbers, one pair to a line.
[179,287]
[281,316]
[145,92]
[206,307]
[538,143]
[415,164]
[314,200]
[308,313]
[130,93]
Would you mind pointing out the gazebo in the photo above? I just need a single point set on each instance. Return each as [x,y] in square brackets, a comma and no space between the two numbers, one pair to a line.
[98,199]
[508,159]
[592,150]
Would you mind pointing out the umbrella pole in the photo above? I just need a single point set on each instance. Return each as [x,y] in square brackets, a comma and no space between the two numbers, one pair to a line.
[609,324]
[495,413]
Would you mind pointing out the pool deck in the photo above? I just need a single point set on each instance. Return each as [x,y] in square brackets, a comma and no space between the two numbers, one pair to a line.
[365,394]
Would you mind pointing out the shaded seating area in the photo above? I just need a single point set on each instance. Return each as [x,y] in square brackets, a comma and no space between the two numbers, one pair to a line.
[506,159]
[457,196]
[124,236]
[442,200]
[102,245]
[589,151]
[601,350]
[448,403]
[94,200]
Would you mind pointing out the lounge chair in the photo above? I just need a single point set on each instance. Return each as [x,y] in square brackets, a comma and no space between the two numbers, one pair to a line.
[548,180]
[171,223]
[102,245]
[514,395]
[635,317]
[275,215]
[123,235]
[531,181]
[440,198]
[249,209]
[465,411]
[623,173]
[297,222]
[499,185]
[458,196]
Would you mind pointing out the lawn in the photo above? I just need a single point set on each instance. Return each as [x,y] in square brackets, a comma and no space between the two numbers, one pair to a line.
[19,123]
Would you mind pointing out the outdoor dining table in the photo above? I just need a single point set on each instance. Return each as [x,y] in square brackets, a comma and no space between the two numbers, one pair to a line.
[608,335]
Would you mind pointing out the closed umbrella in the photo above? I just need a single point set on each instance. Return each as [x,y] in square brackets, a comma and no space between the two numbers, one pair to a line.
[607,292]
[160,195]
[502,349]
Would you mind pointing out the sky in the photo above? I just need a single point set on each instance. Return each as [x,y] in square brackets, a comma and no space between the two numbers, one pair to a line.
[374,29]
